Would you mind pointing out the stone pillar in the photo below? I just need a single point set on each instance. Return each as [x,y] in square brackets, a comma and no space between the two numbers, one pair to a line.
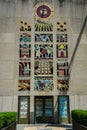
[55,109]
[32,119]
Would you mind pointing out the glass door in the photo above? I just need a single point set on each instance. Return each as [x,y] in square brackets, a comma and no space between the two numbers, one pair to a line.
[23,109]
[44,109]
[39,110]
[48,110]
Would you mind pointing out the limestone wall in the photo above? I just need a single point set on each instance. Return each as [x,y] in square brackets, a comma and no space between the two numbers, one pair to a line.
[11,13]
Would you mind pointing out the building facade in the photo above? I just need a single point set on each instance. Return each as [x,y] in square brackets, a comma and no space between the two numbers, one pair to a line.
[37,41]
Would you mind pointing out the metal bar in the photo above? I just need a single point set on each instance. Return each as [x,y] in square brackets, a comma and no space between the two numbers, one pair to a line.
[76,47]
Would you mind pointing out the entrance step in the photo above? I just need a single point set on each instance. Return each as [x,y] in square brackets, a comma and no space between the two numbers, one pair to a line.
[43,127]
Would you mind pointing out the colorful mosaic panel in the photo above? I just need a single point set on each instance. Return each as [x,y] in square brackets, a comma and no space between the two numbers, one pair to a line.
[24,51]
[61,26]
[61,38]
[62,69]
[43,51]
[43,37]
[43,67]
[62,84]
[25,26]
[62,51]
[62,56]
[43,27]
[43,83]
[24,85]
[24,69]
[25,37]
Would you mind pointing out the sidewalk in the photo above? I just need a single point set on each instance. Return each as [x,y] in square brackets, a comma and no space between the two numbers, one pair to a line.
[48,127]
[44,128]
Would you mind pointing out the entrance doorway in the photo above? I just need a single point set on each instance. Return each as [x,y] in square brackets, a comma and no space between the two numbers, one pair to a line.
[44,109]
